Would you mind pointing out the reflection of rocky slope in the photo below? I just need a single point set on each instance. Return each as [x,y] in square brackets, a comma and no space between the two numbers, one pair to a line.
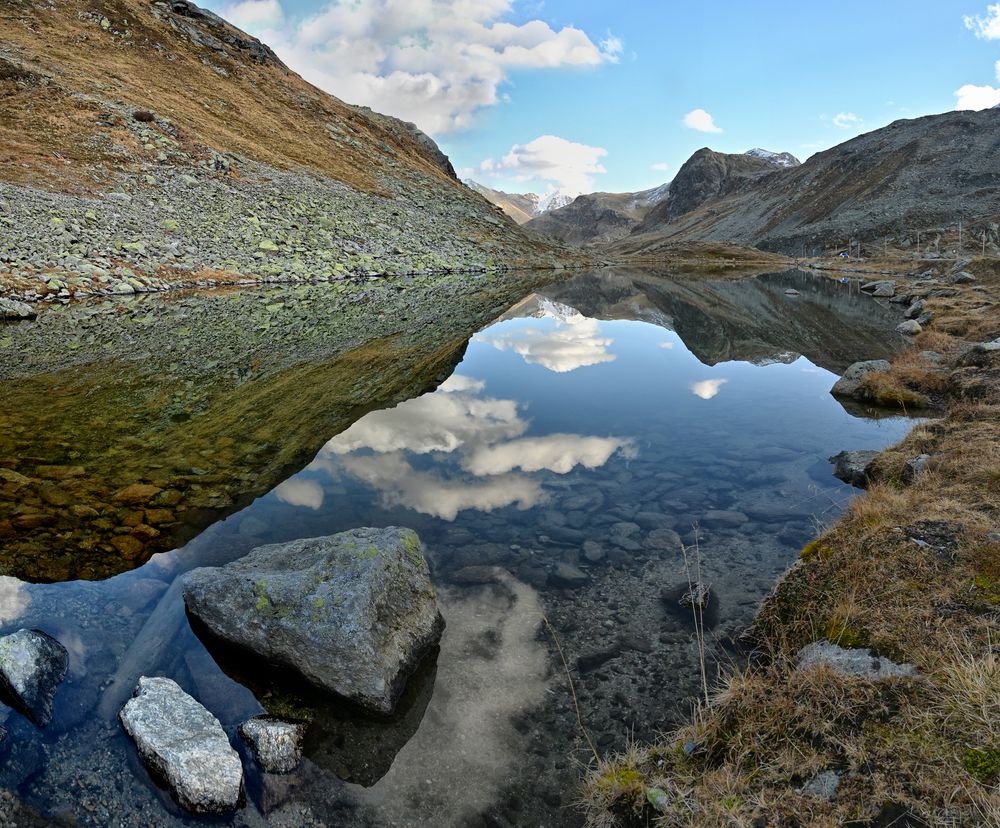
[749,319]
[910,176]
[210,402]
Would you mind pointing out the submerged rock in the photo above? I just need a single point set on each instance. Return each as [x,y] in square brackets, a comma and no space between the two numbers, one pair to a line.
[852,467]
[696,597]
[276,744]
[850,383]
[184,744]
[568,576]
[352,613]
[32,665]
[857,663]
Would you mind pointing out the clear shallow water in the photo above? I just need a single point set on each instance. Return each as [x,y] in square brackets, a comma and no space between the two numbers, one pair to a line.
[591,441]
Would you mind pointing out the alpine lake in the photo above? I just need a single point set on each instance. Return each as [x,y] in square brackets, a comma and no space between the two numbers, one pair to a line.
[567,451]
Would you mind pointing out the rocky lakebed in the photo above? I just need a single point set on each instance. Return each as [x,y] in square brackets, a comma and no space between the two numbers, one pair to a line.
[332,554]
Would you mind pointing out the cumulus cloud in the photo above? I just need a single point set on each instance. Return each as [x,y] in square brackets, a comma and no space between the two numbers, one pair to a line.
[706,389]
[559,453]
[255,15]
[295,492]
[846,120]
[556,162]
[434,422]
[430,494]
[988,27]
[14,599]
[971,96]
[574,342]
[434,62]
[700,120]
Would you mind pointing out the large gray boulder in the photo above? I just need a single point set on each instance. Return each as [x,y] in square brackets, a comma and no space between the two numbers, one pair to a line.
[12,309]
[184,745]
[850,383]
[352,613]
[852,467]
[32,665]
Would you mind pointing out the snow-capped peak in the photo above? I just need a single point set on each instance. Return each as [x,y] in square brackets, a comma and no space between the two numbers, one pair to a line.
[553,200]
[779,159]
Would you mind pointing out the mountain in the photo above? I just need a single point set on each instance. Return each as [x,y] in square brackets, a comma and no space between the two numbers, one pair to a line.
[919,175]
[522,207]
[597,218]
[780,159]
[148,144]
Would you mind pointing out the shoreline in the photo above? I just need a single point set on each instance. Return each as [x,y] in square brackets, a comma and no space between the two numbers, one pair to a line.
[910,571]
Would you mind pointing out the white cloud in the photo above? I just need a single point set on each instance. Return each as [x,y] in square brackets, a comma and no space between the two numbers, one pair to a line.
[667,345]
[977,97]
[846,120]
[559,453]
[297,492]
[434,422]
[574,342]
[14,599]
[700,120]
[425,492]
[661,166]
[434,62]
[706,389]
[460,382]
[560,164]
[987,28]
[255,15]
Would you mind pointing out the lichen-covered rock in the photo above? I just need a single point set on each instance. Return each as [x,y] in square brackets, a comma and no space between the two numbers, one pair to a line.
[184,744]
[32,665]
[12,309]
[856,663]
[911,327]
[850,383]
[353,613]
[276,744]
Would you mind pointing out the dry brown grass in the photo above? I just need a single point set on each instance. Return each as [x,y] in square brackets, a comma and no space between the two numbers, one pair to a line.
[912,570]
[50,131]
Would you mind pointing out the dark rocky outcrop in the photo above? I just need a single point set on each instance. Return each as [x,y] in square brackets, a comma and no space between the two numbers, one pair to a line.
[32,666]
[352,613]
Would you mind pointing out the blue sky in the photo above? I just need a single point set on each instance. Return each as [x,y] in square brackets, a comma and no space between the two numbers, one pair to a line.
[608,84]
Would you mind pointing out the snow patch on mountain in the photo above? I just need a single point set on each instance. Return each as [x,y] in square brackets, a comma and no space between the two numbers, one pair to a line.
[779,159]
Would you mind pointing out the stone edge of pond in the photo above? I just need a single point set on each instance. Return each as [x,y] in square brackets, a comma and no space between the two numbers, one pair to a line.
[910,573]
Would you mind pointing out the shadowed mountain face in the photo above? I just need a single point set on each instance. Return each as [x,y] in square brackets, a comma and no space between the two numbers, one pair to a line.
[910,176]
[751,320]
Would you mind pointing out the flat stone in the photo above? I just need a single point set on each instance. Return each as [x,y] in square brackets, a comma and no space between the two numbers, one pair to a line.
[352,613]
[136,494]
[723,519]
[276,744]
[883,288]
[823,785]
[850,383]
[32,665]
[568,576]
[856,663]
[184,744]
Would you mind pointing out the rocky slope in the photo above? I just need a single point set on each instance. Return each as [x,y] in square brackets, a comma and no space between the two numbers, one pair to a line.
[597,218]
[921,175]
[148,143]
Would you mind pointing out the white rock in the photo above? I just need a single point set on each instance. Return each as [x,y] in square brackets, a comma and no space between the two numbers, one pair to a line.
[185,745]
[276,744]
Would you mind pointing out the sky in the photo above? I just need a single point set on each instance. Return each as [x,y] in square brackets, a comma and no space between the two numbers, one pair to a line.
[614,95]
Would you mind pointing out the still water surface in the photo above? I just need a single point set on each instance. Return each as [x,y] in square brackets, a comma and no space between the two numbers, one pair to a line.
[585,435]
